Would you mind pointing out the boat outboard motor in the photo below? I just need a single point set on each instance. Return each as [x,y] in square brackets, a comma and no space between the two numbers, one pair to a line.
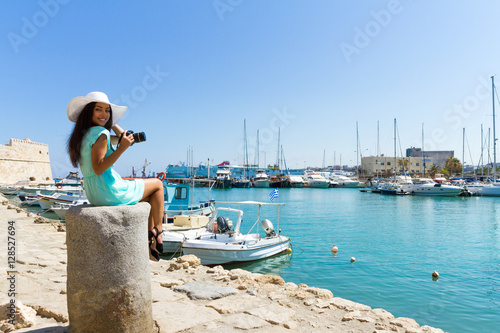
[222,225]
[268,227]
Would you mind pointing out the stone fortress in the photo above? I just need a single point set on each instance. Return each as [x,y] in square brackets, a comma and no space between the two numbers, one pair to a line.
[25,160]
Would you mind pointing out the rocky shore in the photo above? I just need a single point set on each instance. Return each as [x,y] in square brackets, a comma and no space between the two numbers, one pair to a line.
[187,297]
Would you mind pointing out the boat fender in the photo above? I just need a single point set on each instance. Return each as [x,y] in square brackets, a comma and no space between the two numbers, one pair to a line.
[161,176]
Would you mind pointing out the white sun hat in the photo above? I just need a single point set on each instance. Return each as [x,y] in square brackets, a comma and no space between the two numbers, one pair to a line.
[76,105]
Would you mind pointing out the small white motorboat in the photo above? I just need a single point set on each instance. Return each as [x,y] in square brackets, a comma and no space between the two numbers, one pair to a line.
[183,227]
[220,244]
[47,201]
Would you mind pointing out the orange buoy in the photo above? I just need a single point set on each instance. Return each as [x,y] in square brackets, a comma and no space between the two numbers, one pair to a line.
[335,249]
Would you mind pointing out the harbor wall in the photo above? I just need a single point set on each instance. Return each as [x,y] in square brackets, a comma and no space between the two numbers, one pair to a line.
[24,160]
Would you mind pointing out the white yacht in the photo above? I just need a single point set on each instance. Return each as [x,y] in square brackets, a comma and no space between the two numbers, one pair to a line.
[427,186]
[261,179]
[343,181]
[488,190]
[296,181]
[318,181]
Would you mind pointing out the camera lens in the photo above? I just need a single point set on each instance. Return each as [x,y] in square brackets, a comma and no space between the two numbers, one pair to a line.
[140,137]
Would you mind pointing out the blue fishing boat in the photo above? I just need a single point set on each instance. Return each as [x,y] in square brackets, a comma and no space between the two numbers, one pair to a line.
[179,200]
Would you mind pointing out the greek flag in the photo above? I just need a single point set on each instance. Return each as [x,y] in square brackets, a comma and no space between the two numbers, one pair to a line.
[273,195]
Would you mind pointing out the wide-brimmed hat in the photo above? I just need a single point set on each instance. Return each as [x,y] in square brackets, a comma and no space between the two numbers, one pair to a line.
[76,105]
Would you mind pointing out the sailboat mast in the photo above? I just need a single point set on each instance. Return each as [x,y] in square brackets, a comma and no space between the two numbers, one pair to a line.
[378,148]
[395,158]
[422,151]
[258,150]
[463,152]
[482,151]
[357,150]
[324,151]
[246,147]
[494,135]
[278,152]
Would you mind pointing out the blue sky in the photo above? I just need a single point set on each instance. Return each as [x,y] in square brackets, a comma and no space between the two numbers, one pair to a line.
[192,71]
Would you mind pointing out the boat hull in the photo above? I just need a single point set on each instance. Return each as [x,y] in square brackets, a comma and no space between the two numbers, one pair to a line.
[348,185]
[261,183]
[437,192]
[489,191]
[213,252]
[318,184]
[222,183]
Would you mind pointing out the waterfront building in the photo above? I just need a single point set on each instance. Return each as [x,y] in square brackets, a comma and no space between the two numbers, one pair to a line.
[25,160]
[384,165]
[438,157]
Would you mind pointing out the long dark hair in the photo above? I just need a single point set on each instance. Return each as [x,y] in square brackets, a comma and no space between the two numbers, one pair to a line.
[83,123]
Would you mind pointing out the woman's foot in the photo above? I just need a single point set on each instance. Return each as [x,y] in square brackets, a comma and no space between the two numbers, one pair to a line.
[155,241]
[153,252]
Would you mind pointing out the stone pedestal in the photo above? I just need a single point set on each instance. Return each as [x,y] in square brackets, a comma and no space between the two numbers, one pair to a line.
[109,281]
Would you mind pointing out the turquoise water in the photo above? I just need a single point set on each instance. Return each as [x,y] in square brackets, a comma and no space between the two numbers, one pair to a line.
[398,241]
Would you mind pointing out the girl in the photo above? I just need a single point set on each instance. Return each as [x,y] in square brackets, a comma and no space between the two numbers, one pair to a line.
[90,147]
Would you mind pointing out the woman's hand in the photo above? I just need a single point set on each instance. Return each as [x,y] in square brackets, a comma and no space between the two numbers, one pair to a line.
[126,140]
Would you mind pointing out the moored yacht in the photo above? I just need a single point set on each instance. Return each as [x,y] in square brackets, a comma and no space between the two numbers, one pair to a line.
[296,181]
[343,181]
[427,186]
[318,181]
[261,179]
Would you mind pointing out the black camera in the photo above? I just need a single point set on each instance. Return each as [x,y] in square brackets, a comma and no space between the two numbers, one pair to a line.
[138,137]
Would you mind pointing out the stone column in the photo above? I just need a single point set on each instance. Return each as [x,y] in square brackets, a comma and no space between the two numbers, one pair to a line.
[109,281]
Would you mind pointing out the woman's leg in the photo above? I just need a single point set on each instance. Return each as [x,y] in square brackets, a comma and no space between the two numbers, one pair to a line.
[153,193]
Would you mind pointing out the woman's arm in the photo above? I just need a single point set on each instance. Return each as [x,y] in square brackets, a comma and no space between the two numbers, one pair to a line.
[101,162]
[118,131]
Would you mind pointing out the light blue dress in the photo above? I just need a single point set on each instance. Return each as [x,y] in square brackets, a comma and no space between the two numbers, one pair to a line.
[107,189]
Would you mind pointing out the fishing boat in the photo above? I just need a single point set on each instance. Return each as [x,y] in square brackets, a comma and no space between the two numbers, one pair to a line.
[179,200]
[222,244]
[28,200]
[13,189]
[241,182]
[71,180]
[261,179]
[280,181]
